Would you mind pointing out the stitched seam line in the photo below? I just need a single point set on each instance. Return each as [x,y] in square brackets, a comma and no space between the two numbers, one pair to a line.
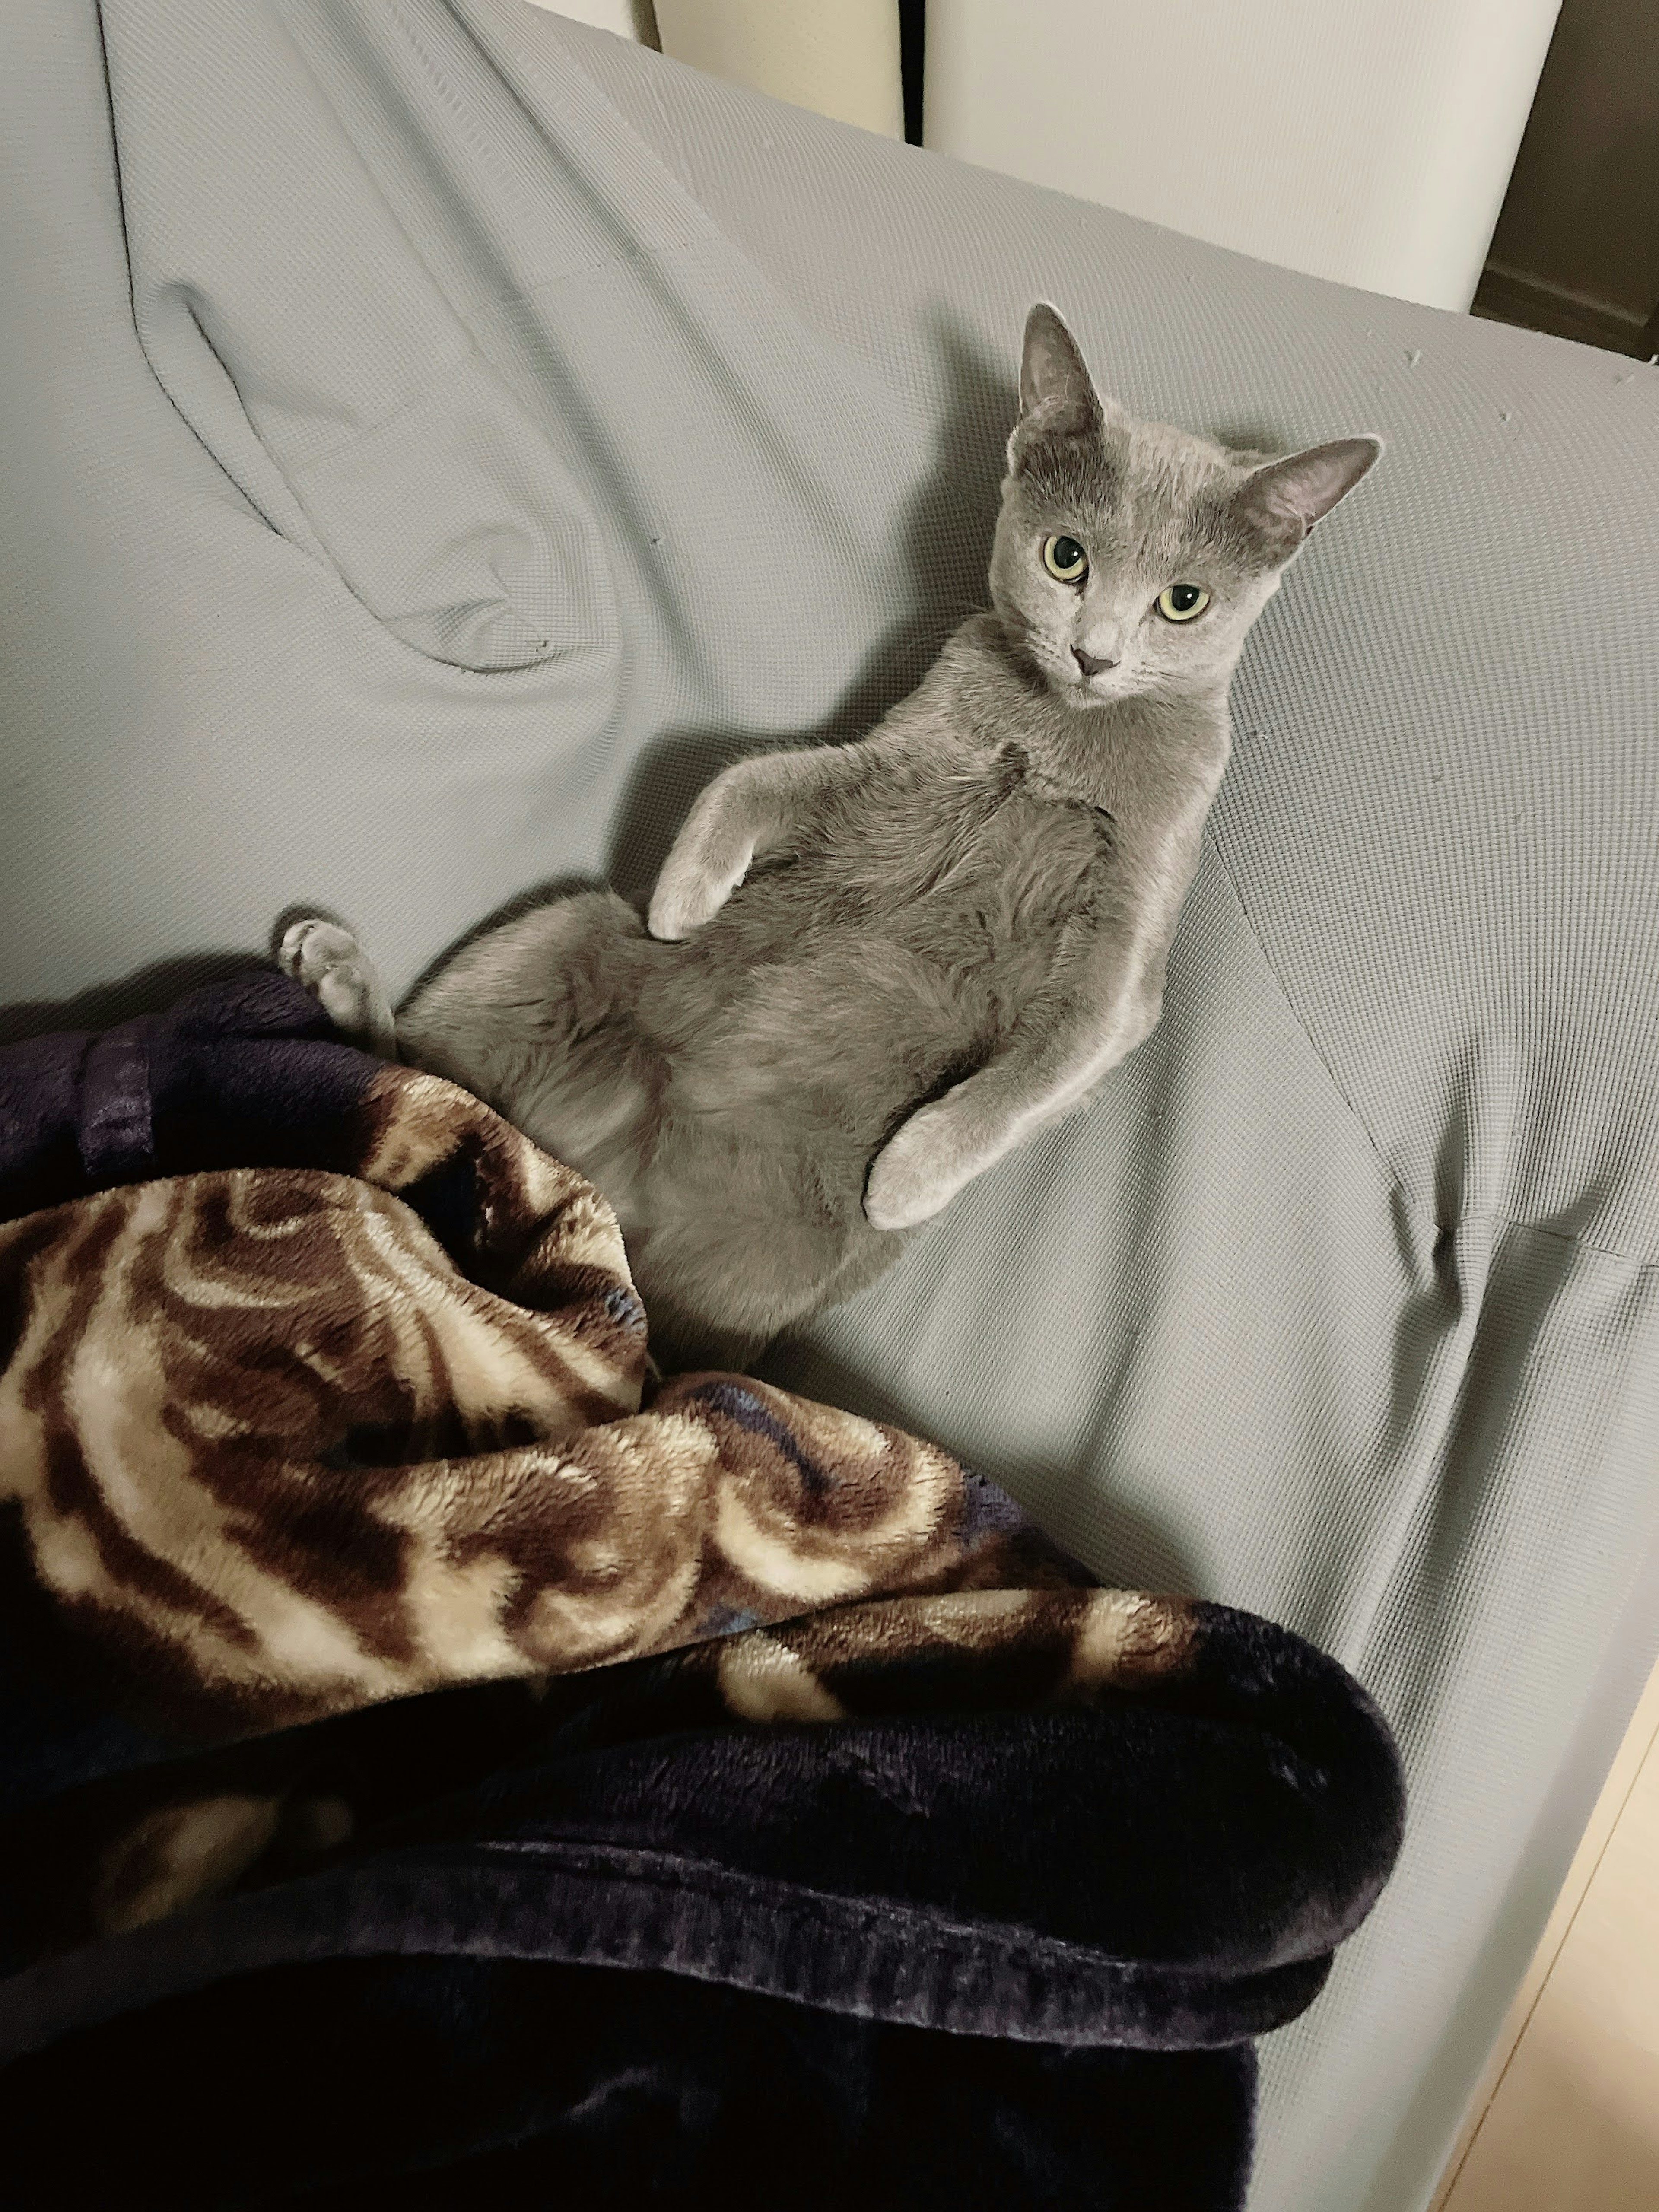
[1426,1220]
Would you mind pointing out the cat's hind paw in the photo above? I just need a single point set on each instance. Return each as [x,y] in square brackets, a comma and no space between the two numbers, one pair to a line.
[339,975]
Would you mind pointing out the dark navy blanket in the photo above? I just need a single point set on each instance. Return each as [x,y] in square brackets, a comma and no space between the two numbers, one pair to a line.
[967,1884]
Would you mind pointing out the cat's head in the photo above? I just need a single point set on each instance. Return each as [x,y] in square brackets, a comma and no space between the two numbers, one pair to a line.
[1132,558]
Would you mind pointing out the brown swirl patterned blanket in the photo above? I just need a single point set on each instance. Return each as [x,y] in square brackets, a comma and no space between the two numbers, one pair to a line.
[385,1660]
[280,1440]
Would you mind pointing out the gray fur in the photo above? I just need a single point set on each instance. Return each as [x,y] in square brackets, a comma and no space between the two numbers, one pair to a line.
[870,970]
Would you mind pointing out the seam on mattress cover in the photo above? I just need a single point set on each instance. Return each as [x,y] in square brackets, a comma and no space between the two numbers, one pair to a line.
[1424,1217]
[1640,1260]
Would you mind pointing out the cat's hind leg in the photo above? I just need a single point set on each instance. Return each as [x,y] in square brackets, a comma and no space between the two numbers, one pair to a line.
[719,1285]
[536,1018]
[339,975]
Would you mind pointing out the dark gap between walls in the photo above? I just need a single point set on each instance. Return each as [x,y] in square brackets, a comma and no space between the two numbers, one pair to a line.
[913,39]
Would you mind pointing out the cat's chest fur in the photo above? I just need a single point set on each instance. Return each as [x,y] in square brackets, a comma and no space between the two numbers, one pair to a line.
[900,938]
[951,862]
[922,906]
[984,824]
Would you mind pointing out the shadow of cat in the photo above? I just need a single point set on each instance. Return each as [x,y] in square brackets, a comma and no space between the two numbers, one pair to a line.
[945,539]
[149,990]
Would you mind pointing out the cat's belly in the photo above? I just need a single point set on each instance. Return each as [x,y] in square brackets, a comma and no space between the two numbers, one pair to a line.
[845,993]
[854,1031]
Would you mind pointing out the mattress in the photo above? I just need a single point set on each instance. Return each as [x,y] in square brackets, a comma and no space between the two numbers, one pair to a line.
[434,438]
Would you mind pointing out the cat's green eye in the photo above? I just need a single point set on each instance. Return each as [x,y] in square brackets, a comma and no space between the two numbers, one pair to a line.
[1180,603]
[1064,559]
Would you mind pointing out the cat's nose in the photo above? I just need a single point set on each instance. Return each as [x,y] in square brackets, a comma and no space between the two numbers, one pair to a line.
[1089,664]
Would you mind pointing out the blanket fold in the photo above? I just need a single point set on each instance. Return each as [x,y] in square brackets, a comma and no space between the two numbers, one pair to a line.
[279,1439]
[393,1676]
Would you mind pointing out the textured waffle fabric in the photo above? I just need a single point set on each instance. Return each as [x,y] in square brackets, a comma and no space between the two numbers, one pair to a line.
[432,438]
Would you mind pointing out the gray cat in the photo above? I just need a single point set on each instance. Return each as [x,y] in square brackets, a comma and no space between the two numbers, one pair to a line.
[869,970]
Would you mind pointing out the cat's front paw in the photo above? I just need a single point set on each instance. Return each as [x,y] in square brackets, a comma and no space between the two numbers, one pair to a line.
[915,1174]
[340,975]
[688,895]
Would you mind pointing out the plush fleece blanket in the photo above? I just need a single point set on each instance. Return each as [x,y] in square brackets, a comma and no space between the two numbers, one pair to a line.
[434,1757]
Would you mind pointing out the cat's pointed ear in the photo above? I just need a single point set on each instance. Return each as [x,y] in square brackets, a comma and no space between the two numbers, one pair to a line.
[1278,504]
[1057,392]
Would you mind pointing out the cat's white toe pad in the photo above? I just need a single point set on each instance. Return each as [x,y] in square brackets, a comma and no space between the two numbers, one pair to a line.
[312,949]
[333,966]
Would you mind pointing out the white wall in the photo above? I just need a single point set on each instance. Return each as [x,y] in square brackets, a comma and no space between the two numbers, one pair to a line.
[628,19]
[1365,140]
[840,57]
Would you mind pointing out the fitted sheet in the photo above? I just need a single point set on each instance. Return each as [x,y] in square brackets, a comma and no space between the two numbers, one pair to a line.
[434,438]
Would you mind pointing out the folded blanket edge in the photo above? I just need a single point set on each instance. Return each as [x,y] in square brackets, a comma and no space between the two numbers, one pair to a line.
[876,1958]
